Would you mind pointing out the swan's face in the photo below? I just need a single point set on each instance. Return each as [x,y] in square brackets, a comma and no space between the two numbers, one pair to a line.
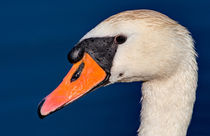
[130,46]
[149,51]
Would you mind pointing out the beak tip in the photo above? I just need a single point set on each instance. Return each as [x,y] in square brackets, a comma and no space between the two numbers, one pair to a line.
[39,109]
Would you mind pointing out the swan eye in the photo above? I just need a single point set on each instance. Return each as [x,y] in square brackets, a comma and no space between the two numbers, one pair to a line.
[120,39]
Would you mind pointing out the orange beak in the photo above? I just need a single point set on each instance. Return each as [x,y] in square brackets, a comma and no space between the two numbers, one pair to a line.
[83,77]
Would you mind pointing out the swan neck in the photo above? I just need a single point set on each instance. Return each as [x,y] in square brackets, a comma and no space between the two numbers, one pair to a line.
[167,104]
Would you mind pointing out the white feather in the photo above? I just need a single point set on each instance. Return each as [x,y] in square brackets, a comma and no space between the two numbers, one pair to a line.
[159,52]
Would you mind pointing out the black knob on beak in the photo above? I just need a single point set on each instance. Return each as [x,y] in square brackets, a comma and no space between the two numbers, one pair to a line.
[76,54]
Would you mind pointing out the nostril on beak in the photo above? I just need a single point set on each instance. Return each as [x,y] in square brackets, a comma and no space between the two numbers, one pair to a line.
[76,54]
[78,72]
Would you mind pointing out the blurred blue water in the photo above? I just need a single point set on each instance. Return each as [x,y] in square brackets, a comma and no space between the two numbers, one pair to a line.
[35,37]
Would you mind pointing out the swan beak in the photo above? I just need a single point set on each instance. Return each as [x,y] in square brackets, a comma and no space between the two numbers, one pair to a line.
[84,76]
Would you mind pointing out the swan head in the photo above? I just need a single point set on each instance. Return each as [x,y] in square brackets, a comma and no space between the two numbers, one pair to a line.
[138,45]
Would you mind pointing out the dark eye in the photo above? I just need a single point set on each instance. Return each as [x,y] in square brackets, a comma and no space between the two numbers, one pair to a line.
[120,39]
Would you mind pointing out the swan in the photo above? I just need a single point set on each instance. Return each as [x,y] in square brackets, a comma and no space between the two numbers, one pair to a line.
[136,45]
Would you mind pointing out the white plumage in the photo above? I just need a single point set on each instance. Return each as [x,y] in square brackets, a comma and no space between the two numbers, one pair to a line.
[160,52]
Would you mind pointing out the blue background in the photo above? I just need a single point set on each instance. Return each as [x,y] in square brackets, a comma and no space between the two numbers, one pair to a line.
[35,37]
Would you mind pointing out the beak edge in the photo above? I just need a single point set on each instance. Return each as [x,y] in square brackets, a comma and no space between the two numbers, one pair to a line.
[39,109]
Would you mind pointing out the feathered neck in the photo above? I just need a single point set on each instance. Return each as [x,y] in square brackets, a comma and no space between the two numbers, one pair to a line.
[167,104]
